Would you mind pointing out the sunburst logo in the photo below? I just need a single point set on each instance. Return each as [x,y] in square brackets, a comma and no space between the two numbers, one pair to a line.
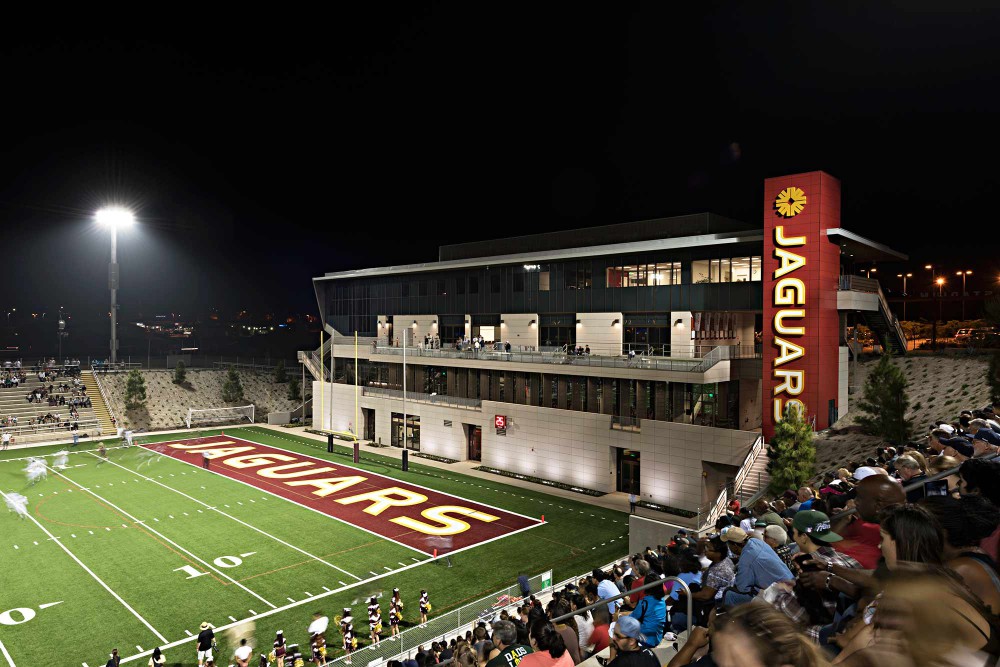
[790,202]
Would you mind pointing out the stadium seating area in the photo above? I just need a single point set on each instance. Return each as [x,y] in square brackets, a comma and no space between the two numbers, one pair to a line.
[29,421]
[167,403]
[873,567]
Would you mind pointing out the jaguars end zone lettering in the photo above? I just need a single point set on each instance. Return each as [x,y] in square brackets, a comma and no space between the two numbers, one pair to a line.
[389,507]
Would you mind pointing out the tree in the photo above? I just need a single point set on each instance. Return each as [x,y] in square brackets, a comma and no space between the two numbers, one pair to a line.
[135,390]
[791,452]
[884,403]
[232,387]
[180,375]
[279,373]
[993,377]
[294,390]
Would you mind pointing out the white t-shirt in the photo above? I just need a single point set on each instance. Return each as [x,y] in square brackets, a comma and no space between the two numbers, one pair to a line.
[6,437]
[243,652]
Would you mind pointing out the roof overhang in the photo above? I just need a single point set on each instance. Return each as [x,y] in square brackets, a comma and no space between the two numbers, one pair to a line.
[860,249]
[555,255]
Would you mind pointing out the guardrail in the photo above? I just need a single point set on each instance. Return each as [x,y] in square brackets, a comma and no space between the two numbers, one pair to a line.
[18,431]
[722,500]
[106,397]
[417,397]
[593,361]
[117,367]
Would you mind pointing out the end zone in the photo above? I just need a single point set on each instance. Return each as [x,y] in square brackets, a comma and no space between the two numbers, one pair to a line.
[423,519]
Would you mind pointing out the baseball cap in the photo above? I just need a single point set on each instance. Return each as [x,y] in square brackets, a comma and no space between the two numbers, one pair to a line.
[630,627]
[960,445]
[862,472]
[735,534]
[816,525]
[988,435]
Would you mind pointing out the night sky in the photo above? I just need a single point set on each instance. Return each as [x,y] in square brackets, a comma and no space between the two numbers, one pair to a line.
[261,152]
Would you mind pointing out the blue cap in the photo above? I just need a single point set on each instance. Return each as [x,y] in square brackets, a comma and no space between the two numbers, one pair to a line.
[630,627]
[960,445]
[988,435]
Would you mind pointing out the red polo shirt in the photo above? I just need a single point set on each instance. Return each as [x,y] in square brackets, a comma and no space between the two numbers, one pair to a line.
[861,540]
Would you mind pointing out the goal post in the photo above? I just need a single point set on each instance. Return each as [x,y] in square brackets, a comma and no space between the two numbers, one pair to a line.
[200,417]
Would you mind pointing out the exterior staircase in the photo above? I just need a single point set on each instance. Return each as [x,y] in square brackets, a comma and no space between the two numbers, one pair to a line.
[101,410]
[756,480]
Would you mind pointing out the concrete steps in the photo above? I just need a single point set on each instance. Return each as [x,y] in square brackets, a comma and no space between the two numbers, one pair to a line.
[100,408]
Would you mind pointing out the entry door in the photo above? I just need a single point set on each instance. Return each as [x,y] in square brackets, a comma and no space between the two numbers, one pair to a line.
[475,443]
[369,416]
[628,471]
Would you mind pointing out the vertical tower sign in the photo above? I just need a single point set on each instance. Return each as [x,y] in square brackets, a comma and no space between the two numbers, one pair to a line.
[801,277]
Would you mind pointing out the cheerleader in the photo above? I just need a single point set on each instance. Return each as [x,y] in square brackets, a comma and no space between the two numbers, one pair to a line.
[295,656]
[318,645]
[394,615]
[425,606]
[279,649]
[374,620]
[347,628]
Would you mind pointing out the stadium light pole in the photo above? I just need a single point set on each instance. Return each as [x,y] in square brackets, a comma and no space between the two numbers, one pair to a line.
[114,217]
[963,274]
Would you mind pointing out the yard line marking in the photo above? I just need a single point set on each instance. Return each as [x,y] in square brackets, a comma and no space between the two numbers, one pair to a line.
[91,573]
[139,648]
[171,516]
[10,660]
[291,599]
[370,572]
[231,618]
[385,567]
[308,594]
[326,589]
[16,547]
[250,526]
[401,562]
[49,604]
[72,535]
[252,612]
[412,558]
[247,554]
[339,582]
[167,539]
[91,532]
[188,633]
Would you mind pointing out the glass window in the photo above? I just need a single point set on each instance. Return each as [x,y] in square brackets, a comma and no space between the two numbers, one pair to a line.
[755,268]
[725,271]
[700,271]
[614,276]
[543,281]
[676,279]
[741,269]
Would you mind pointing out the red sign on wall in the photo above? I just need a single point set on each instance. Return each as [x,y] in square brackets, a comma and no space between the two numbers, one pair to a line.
[500,421]
[802,271]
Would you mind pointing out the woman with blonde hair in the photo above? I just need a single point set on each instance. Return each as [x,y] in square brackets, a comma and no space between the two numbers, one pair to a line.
[758,635]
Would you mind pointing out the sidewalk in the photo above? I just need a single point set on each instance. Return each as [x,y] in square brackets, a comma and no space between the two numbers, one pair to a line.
[614,501]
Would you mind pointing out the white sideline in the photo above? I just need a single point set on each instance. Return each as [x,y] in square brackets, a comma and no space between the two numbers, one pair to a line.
[91,573]
[10,660]
[229,516]
[161,535]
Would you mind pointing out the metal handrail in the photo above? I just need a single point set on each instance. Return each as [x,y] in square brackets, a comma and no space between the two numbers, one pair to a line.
[659,582]
[722,499]
[82,425]
[105,396]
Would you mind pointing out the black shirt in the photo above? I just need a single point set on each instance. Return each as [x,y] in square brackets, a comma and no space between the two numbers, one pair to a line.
[641,658]
[205,638]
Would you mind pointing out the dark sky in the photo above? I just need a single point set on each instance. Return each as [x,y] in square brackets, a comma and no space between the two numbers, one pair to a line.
[262,151]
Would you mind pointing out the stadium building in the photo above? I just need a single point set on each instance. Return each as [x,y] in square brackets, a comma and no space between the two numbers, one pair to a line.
[697,331]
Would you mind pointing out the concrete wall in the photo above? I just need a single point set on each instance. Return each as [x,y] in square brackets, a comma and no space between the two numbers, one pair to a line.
[518,330]
[750,404]
[596,330]
[680,337]
[425,325]
[561,445]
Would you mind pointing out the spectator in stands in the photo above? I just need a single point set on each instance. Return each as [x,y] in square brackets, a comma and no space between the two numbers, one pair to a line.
[982,477]
[690,574]
[507,652]
[776,537]
[628,646]
[600,638]
[966,522]
[651,612]
[757,635]
[758,567]
[584,623]
[606,589]
[909,472]
[764,511]
[567,629]
[548,647]
[861,531]
[641,570]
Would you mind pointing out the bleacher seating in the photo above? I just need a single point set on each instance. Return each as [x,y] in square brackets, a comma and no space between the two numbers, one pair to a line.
[13,403]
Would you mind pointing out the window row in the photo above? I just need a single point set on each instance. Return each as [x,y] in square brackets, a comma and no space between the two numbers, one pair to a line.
[733,270]
[644,275]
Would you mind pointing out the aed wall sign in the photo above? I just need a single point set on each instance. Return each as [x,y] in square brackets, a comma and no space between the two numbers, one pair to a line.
[802,272]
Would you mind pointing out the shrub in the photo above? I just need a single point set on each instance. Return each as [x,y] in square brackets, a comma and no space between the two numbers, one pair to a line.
[791,452]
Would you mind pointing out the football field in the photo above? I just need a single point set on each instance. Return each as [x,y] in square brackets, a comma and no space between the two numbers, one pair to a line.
[136,550]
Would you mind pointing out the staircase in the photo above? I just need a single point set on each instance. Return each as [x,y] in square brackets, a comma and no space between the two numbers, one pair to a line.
[756,480]
[101,410]
[881,321]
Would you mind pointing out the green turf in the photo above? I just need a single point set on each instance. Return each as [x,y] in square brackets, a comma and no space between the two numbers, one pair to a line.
[145,517]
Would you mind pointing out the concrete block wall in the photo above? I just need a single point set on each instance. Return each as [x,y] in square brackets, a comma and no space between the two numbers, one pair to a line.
[561,445]
[597,331]
[425,325]
[518,330]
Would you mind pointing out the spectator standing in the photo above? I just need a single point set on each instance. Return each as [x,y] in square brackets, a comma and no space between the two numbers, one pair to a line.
[242,654]
[204,643]
[157,658]
[115,659]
